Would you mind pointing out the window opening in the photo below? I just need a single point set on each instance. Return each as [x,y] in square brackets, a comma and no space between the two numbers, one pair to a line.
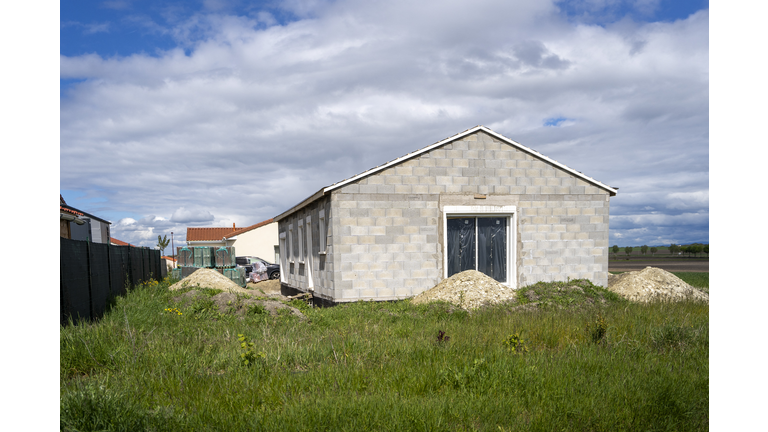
[477,243]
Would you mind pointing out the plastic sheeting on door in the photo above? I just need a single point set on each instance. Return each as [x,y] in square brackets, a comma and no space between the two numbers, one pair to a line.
[461,245]
[492,247]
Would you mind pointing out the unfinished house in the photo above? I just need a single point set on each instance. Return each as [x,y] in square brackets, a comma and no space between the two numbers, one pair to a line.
[476,200]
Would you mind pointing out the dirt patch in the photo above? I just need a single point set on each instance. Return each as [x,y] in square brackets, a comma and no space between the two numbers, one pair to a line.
[469,289]
[209,278]
[228,303]
[268,288]
[670,265]
[653,284]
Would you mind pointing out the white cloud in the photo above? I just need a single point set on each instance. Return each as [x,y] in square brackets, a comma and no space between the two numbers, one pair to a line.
[258,116]
[183,215]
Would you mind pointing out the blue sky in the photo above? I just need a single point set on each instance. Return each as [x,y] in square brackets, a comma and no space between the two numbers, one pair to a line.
[208,113]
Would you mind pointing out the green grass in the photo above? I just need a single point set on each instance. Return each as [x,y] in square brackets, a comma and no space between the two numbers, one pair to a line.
[381,366]
[695,279]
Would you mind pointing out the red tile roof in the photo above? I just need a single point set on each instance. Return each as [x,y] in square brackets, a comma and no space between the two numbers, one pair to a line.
[252,227]
[208,234]
[168,258]
[118,242]
[68,210]
[216,234]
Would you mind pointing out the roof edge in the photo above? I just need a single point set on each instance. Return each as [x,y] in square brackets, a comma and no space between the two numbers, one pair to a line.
[300,205]
[328,189]
[249,228]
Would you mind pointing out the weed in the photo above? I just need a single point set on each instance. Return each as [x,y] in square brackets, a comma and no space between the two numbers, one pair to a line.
[671,336]
[597,329]
[256,309]
[300,304]
[442,338]
[469,377]
[202,305]
[249,357]
[515,343]
[173,311]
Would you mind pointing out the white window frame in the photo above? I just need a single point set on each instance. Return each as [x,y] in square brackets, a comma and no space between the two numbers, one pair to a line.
[510,212]
[290,244]
[283,257]
[322,234]
[308,251]
[300,233]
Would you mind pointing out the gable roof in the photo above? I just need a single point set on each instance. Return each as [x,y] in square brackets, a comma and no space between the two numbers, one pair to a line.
[119,242]
[252,227]
[208,234]
[416,153]
[216,234]
[69,209]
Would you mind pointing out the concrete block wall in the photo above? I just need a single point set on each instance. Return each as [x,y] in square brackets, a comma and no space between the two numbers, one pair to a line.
[386,244]
[322,264]
[388,226]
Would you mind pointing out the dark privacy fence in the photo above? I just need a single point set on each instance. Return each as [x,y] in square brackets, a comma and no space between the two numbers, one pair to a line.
[92,273]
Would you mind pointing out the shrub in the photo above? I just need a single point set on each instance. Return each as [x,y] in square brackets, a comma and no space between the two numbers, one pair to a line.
[597,329]
[515,343]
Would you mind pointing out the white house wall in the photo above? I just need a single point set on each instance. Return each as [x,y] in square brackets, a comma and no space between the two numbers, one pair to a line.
[258,242]
[295,268]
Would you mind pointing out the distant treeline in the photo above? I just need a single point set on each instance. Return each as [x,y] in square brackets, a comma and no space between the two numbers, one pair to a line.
[693,249]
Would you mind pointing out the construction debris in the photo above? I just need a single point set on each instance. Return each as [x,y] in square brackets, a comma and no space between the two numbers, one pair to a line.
[653,284]
[469,289]
[209,278]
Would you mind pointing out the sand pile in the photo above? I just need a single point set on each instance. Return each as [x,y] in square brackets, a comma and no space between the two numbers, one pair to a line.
[653,284]
[469,289]
[209,278]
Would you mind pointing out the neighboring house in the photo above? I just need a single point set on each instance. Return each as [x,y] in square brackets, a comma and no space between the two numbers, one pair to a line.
[170,262]
[116,242]
[76,224]
[258,240]
[477,200]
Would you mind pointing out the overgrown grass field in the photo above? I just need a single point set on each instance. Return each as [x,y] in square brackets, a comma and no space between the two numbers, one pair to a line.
[558,359]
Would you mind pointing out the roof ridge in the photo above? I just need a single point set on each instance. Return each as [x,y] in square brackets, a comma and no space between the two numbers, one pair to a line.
[440,143]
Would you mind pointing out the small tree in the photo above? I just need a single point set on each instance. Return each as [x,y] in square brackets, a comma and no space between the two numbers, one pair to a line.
[696,249]
[162,243]
[654,250]
[628,250]
[615,250]
[673,248]
[706,249]
[643,249]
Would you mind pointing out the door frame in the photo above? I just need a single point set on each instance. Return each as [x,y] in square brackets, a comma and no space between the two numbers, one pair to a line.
[509,212]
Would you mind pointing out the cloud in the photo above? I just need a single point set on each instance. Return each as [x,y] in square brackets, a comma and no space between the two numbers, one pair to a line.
[182,215]
[247,117]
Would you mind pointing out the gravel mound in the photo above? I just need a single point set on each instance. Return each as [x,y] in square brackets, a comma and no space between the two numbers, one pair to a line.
[653,284]
[209,278]
[469,289]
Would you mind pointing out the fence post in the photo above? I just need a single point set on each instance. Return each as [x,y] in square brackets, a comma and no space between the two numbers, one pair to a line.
[90,281]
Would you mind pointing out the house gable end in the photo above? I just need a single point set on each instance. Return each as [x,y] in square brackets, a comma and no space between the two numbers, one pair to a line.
[477,163]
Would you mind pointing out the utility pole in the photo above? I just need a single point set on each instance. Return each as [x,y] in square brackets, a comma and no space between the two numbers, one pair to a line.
[173,251]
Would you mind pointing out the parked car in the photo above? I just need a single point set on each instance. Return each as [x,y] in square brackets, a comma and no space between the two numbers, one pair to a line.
[273,270]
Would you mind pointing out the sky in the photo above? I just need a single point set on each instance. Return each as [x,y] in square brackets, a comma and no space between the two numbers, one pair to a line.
[209,113]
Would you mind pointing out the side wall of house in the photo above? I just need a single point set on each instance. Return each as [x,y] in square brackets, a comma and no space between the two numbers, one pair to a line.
[295,268]
[389,225]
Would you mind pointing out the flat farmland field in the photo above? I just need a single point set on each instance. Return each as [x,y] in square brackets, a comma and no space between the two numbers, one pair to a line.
[668,264]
